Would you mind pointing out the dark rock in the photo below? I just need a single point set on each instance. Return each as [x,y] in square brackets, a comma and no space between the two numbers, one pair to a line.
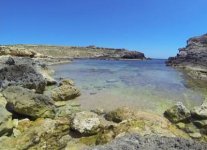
[25,102]
[137,142]
[177,113]
[10,61]
[133,55]
[22,75]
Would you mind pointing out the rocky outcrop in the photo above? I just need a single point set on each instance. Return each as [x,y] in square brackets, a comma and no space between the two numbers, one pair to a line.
[137,142]
[193,122]
[192,58]
[22,75]
[25,102]
[133,55]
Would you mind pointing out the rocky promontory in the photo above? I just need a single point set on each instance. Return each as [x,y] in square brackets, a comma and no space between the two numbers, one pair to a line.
[65,53]
[192,58]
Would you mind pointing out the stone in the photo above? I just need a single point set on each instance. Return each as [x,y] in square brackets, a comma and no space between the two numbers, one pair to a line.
[191,128]
[66,82]
[5,121]
[22,75]
[196,135]
[151,142]
[177,113]
[64,93]
[16,132]
[41,134]
[200,123]
[67,110]
[181,125]
[120,114]
[25,102]
[10,61]
[200,112]
[86,123]
[3,101]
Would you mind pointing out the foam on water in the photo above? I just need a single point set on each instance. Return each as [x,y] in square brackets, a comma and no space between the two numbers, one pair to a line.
[147,85]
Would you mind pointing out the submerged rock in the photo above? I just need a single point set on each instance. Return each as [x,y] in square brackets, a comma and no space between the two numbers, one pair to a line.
[120,114]
[22,75]
[177,113]
[26,102]
[86,123]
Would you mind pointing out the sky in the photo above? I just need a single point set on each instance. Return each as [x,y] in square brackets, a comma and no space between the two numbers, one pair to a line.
[156,27]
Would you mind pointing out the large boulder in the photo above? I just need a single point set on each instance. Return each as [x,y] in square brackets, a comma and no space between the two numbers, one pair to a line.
[200,112]
[25,102]
[86,123]
[22,75]
[66,91]
[177,113]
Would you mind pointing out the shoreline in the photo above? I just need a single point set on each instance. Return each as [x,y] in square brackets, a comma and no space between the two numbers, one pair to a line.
[48,107]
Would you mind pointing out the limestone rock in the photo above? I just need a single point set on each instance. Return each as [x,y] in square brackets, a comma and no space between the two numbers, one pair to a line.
[120,114]
[86,123]
[64,92]
[40,134]
[5,121]
[200,112]
[26,102]
[66,82]
[177,113]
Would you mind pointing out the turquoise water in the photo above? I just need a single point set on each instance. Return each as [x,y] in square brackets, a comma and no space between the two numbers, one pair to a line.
[146,85]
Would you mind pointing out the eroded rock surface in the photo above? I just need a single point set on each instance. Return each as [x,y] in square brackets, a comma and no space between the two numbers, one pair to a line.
[22,75]
[193,57]
[86,123]
[137,142]
[25,102]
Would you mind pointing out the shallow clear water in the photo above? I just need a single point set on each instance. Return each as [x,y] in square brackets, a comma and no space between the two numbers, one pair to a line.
[147,85]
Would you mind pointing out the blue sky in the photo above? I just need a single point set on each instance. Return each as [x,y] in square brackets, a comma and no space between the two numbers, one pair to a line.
[156,27]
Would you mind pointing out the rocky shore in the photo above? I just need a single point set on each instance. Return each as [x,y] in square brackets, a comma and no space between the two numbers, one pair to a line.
[38,112]
[192,58]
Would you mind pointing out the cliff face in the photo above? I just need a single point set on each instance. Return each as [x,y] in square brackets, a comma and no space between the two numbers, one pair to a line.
[72,52]
[192,58]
